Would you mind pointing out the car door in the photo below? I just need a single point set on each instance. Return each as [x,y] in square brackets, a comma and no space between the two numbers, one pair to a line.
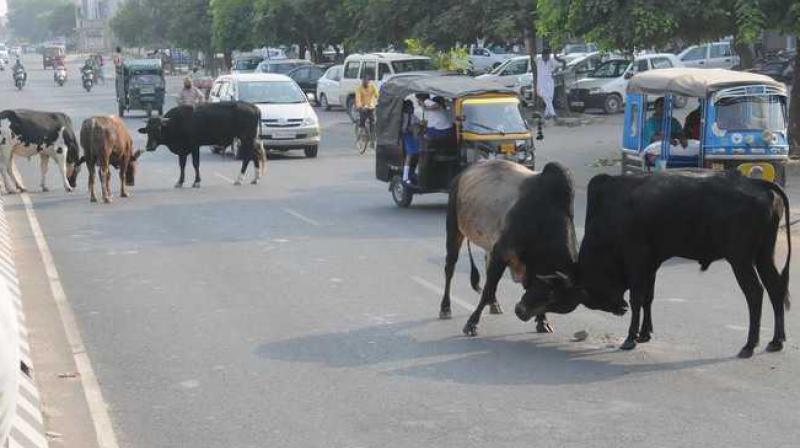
[696,57]
[333,85]
[721,56]
[508,77]
[301,77]
[349,81]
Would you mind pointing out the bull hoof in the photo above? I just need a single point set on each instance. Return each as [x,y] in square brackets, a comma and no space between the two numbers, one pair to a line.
[107,200]
[124,195]
[495,308]
[629,344]
[745,353]
[196,184]
[544,327]
[67,189]
[22,190]
[179,185]
[470,330]
[775,346]
[643,338]
[92,199]
[254,182]
[45,190]
[445,314]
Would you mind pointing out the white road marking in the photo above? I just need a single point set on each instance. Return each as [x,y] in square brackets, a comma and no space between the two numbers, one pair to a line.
[301,217]
[675,300]
[225,178]
[736,327]
[440,291]
[98,408]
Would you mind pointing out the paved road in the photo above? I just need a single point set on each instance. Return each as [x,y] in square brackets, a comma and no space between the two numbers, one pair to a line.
[302,313]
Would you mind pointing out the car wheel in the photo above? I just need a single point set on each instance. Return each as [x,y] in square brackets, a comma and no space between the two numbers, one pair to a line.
[311,151]
[612,104]
[351,109]
[323,102]
[401,195]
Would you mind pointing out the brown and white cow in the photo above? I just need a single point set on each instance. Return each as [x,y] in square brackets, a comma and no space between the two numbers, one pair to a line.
[106,141]
[27,133]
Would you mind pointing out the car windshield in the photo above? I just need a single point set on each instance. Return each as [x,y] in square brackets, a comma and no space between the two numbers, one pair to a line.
[281,68]
[246,64]
[575,48]
[271,92]
[412,65]
[146,79]
[610,69]
[491,118]
[751,113]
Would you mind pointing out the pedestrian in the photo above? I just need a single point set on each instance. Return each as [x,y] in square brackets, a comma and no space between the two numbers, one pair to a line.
[546,85]
[190,95]
[117,58]
[411,131]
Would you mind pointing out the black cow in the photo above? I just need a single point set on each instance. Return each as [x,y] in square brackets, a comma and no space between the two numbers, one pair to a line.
[635,223]
[184,129]
[524,221]
[26,133]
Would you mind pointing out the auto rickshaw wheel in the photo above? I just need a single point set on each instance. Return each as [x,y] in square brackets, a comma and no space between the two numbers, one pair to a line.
[149,111]
[121,110]
[401,195]
[160,111]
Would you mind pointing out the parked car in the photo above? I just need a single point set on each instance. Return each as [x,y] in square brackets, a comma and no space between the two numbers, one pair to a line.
[508,73]
[605,87]
[711,55]
[246,64]
[307,77]
[4,55]
[483,60]
[572,52]
[280,66]
[379,66]
[778,65]
[288,122]
[329,91]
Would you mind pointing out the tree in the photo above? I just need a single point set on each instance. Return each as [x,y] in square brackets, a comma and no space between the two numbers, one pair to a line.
[232,25]
[131,24]
[38,20]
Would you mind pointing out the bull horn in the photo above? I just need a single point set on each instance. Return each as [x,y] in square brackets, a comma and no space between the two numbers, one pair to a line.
[565,278]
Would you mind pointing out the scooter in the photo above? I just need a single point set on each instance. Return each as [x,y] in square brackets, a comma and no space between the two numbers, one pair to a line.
[19,79]
[60,76]
[88,80]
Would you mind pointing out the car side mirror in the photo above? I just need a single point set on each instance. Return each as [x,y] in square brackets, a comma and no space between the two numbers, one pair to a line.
[628,75]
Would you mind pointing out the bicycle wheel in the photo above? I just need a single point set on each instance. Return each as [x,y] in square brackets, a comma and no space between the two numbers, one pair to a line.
[362,139]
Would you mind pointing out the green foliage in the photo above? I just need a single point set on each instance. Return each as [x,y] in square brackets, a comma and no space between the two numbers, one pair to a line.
[38,20]
[452,59]
[231,24]
[750,20]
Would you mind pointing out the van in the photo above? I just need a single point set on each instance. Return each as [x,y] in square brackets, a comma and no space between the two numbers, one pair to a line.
[712,55]
[379,66]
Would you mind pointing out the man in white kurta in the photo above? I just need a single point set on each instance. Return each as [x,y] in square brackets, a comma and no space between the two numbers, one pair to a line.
[546,85]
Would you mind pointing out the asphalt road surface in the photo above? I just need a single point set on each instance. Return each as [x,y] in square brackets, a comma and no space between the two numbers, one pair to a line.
[302,312]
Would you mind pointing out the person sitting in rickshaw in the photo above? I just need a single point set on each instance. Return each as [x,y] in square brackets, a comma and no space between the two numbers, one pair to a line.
[691,128]
[410,132]
[439,130]
[652,127]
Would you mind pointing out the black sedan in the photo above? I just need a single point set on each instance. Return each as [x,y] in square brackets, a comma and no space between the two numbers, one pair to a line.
[306,77]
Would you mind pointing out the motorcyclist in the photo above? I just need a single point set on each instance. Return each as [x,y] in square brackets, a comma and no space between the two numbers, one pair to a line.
[19,68]
[88,69]
[59,68]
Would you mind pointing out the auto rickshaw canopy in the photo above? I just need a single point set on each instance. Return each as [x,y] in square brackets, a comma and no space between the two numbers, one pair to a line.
[397,89]
[697,82]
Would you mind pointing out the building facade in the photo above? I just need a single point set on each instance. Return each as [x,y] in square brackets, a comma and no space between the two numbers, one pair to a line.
[94,32]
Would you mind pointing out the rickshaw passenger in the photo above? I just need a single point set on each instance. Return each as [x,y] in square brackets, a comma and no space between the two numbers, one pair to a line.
[692,127]
[410,133]
[652,127]
[440,128]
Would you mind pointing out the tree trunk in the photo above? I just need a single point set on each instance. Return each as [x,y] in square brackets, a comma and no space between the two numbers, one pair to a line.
[228,58]
[745,55]
[794,112]
[529,37]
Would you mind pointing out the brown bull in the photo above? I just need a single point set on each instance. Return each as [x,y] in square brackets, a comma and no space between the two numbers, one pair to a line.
[106,141]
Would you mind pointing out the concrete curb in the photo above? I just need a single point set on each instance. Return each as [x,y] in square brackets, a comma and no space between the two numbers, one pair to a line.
[26,421]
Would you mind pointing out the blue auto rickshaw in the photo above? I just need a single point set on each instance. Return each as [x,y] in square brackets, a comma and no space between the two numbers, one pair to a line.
[742,123]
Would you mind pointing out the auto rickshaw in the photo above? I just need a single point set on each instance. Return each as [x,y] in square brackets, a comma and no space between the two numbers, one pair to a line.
[488,124]
[140,86]
[52,56]
[742,123]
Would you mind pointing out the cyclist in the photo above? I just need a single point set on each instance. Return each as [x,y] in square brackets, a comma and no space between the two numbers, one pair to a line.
[366,101]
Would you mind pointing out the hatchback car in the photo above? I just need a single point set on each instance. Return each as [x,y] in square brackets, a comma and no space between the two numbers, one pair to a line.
[329,90]
[288,122]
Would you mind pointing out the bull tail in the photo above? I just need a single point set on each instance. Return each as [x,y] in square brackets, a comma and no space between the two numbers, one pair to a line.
[785,272]
[474,274]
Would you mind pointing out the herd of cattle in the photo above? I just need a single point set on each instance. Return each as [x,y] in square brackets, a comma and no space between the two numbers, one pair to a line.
[106,142]
[522,219]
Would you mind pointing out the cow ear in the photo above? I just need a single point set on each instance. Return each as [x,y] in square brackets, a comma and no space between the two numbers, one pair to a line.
[137,154]
[143,130]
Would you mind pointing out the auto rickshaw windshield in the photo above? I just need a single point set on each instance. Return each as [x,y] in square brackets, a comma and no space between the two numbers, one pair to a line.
[751,113]
[147,79]
[483,117]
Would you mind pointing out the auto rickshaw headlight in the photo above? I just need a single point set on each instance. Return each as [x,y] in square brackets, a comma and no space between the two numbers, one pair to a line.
[770,137]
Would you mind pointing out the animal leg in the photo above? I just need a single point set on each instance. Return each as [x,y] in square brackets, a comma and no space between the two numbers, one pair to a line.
[494,306]
[123,176]
[493,274]
[774,285]
[91,167]
[182,165]
[12,171]
[196,164]
[454,241]
[8,181]
[542,324]
[61,163]
[647,323]
[754,293]
[105,180]
[44,162]
[636,308]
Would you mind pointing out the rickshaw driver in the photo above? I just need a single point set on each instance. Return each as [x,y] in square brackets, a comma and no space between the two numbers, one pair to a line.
[652,127]
[366,102]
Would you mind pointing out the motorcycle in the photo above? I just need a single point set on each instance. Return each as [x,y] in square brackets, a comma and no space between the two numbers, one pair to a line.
[60,76]
[88,80]
[19,79]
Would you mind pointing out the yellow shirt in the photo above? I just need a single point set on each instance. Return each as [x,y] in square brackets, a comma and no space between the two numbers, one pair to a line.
[367,97]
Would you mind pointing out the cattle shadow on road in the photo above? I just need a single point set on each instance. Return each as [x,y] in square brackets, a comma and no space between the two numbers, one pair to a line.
[397,350]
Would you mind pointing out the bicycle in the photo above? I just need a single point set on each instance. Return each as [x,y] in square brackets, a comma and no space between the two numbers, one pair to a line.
[365,136]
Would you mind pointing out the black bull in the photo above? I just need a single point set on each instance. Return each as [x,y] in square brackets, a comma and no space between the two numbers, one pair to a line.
[635,223]
[184,129]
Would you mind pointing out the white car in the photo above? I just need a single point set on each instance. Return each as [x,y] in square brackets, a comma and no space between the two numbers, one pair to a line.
[508,73]
[287,119]
[483,60]
[378,66]
[329,87]
[605,87]
[572,52]
[4,56]
[713,55]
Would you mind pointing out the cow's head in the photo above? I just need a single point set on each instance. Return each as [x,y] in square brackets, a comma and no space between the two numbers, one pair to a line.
[154,129]
[602,277]
[74,159]
[130,174]
[553,293]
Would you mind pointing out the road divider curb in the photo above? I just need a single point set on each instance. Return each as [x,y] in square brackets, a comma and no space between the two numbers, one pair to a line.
[21,421]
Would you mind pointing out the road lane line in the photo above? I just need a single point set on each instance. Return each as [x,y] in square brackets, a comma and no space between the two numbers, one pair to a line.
[98,408]
[440,291]
[299,216]
[225,178]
